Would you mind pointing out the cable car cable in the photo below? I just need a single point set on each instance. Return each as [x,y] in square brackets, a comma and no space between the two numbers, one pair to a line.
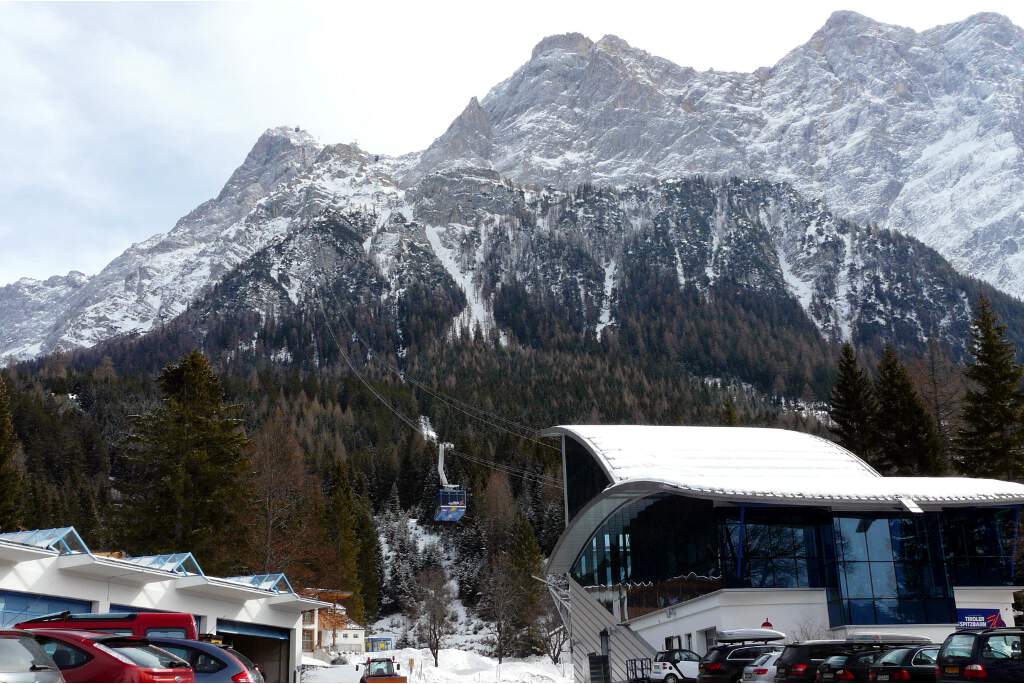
[414,425]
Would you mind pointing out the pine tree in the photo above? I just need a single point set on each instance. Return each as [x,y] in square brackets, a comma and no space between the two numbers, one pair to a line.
[342,529]
[991,441]
[908,443]
[370,561]
[10,478]
[854,410]
[187,481]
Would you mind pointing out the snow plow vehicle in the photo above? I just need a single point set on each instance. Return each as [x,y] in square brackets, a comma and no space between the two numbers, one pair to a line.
[381,670]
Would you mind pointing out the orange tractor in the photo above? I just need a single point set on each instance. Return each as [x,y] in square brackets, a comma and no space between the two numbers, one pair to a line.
[381,670]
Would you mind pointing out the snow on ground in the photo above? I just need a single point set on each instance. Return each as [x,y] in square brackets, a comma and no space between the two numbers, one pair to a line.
[471,632]
[476,311]
[455,665]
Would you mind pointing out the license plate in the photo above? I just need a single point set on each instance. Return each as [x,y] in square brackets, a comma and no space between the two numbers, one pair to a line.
[883,678]
[827,677]
[952,669]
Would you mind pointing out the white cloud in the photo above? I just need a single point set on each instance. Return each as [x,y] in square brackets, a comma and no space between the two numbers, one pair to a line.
[119,118]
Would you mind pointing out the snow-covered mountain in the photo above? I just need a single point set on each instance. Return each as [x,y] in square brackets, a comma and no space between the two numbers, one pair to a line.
[913,131]
[919,132]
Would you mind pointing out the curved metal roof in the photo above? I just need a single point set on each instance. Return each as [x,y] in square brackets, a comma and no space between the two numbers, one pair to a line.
[766,464]
[750,465]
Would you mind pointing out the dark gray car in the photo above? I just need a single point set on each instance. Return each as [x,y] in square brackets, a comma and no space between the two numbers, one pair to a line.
[22,659]
[211,662]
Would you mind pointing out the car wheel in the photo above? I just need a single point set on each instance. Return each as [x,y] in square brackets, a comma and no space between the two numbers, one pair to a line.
[671,678]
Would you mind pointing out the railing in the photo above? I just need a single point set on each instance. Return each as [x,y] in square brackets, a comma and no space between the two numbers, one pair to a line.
[638,670]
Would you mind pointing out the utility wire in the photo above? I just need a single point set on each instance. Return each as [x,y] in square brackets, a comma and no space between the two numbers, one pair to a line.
[414,425]
[490,418]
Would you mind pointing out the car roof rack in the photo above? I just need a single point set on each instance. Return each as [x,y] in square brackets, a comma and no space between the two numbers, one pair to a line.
[741,636]
[883,638]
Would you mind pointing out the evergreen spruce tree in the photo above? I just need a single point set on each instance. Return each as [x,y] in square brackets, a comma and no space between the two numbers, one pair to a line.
[907,439]
[527,562]
[342,525]
[188,472]
[854,410]
[370,561]
[10,478]
[990,442]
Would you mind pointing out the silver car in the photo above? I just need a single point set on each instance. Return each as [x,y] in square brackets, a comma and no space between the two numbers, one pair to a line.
[762,669]
[22,659]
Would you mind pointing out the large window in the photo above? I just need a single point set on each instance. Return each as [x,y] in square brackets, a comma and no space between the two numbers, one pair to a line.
[584,479]
[659,551]
[981,546]
[888,571]
[773,547]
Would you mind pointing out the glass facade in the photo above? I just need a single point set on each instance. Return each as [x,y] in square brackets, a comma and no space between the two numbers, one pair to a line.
[584,479]
[888,570]
[661,550]
[877,569]
[774,547]
[982,546]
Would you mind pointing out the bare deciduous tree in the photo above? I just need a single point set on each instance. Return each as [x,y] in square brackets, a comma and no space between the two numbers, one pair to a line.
[553,633]
[436,621]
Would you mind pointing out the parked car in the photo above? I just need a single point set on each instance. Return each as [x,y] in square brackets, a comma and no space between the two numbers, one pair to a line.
[181,625]
[677,665]
[800,661]
[762,669]
[992,655]
[22,659]
[100,657]
[847,668]
[735,650]
[914,664]
[211,662]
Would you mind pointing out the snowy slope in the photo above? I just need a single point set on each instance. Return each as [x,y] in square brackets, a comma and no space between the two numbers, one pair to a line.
[915,131]
[920,132]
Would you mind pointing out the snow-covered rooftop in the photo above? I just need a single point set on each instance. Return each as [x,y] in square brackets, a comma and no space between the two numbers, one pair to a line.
[749,465]
[767,464]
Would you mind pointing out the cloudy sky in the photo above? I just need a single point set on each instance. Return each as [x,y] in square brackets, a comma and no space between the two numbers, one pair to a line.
[117,119]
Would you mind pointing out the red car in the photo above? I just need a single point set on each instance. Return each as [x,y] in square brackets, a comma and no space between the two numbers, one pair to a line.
[100,657]
[178,625]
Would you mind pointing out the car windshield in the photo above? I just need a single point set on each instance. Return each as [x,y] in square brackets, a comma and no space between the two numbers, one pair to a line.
[764,659]
[381,668]
[835,661]
[662,657]
[894,657]
[20,654]
[144,655]
[958,646]
[715,654]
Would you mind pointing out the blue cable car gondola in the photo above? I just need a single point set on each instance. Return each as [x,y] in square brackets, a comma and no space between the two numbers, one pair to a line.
[451,499]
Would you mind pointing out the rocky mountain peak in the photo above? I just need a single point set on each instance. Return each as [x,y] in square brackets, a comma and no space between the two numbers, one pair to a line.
[566,42]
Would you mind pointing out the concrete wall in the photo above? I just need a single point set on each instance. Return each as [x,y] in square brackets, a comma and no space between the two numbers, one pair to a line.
[45,577]
[799,613]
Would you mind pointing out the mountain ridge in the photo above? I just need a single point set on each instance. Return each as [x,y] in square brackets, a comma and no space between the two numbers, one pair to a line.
[646,120]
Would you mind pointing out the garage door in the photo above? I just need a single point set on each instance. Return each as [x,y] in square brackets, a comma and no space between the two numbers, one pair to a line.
[266,646]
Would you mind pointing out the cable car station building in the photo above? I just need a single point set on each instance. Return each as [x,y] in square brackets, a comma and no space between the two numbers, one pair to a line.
[675,533]
[50,571]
